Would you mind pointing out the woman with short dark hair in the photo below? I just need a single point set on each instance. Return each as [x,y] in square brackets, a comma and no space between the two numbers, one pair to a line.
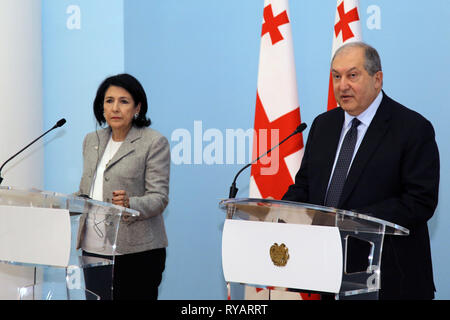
[128,164]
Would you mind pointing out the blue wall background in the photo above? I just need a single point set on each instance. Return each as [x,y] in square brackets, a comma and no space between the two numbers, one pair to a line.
[198,61]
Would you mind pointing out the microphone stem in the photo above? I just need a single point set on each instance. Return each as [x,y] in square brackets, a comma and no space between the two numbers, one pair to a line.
[264,154]
[60,123]
[26,147]
[233,189]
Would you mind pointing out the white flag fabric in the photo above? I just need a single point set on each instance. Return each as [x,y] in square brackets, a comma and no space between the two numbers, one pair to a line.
[347,28]
[277,112]
[277,115]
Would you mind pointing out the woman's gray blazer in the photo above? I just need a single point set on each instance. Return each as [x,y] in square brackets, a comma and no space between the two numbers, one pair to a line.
[141,167]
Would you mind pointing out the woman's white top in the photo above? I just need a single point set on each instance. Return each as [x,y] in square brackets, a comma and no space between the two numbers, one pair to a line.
[95,240]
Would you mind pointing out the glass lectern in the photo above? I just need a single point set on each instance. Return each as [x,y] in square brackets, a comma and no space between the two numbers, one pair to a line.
[45,230]
[303,247]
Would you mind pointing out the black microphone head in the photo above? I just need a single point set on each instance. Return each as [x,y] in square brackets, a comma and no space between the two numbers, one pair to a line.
[60,123]
[301,127]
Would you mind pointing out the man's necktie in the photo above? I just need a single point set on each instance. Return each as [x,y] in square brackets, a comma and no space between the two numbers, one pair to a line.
[342,165]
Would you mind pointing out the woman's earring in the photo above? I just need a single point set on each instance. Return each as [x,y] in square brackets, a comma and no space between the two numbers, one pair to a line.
[136,115]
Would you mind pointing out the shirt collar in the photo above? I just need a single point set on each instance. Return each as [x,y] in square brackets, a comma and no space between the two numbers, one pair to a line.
[367,115]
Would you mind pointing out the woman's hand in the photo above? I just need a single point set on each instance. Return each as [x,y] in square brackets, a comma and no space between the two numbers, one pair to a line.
[120,198]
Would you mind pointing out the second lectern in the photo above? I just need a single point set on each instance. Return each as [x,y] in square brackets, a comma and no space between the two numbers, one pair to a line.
[303,247]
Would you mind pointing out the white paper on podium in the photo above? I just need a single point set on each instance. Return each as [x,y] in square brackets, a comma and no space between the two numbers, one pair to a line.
[315,255]
[35,235]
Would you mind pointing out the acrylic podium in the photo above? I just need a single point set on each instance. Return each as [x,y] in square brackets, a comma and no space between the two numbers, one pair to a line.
[45,230]
[302,247]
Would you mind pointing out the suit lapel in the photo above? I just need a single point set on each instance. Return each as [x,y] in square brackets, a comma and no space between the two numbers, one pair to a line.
[94,150]
[127,146]
[373,137]
[103,141]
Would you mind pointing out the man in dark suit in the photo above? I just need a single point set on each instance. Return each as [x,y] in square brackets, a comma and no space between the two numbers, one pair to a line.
[394,170]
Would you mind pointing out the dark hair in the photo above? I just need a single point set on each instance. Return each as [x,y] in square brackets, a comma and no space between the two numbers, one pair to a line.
[132,85]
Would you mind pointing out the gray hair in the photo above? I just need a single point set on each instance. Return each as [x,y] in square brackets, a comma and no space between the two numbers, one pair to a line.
[372,63]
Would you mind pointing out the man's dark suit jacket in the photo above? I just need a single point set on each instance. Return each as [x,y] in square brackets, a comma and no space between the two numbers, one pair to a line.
[394,177]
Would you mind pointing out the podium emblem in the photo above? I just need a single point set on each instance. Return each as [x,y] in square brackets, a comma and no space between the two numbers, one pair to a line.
[279,254]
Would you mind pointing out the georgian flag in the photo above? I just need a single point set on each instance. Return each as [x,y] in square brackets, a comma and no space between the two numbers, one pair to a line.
[277,112]
[347,28]
[277,115]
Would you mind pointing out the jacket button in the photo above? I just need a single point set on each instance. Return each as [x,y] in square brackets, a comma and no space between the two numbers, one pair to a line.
[106,179]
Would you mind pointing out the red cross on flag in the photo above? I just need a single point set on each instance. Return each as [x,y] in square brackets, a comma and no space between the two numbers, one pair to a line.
[277,111]
[347,28]
[277,115]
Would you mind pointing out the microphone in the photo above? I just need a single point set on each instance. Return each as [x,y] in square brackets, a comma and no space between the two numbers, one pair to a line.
[60,123]
[233,189]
